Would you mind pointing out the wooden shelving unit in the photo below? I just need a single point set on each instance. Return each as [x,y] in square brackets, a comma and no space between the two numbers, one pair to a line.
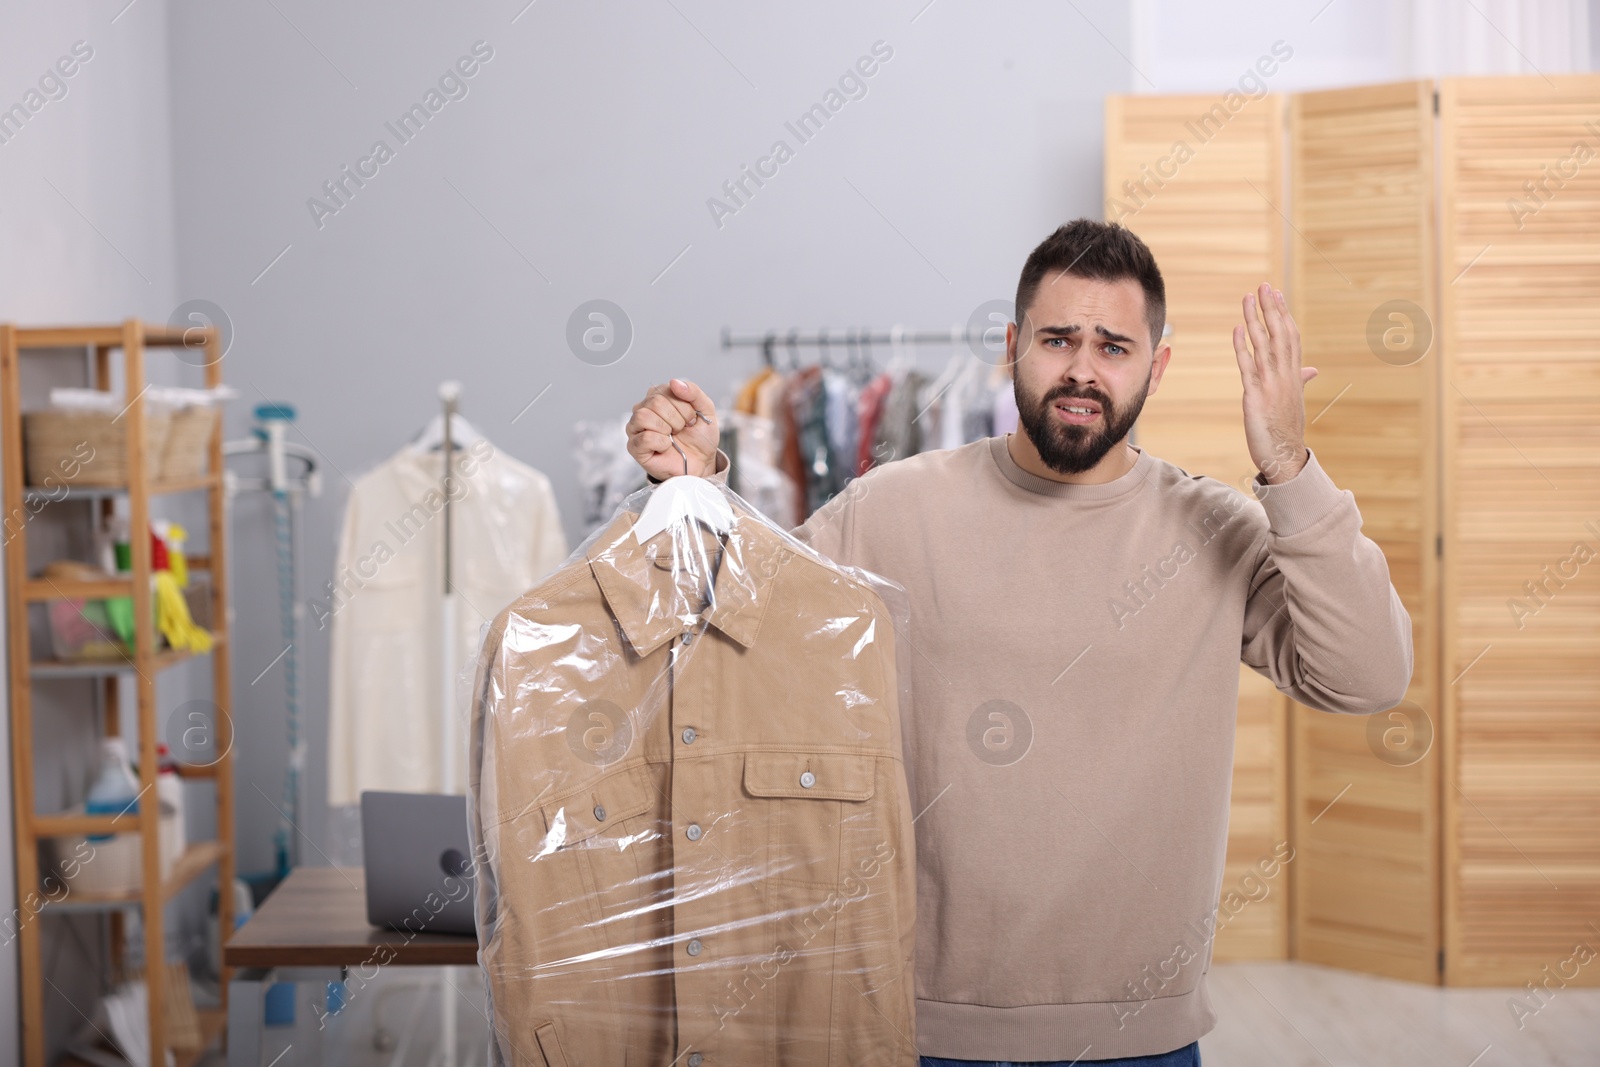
[98,344]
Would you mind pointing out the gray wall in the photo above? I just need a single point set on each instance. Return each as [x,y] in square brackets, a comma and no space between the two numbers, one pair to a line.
[86,234]
[578,166]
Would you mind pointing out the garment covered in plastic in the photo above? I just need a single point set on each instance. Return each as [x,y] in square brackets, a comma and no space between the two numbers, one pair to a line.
[689,808]
[383,604]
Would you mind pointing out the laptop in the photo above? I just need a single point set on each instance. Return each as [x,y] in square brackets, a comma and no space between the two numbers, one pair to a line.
[419,862]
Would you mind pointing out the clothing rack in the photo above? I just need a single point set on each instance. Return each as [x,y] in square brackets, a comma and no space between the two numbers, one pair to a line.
[827,417]
[851,338]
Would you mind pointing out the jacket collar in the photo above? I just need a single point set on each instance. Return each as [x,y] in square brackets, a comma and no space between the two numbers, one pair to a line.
[641,582]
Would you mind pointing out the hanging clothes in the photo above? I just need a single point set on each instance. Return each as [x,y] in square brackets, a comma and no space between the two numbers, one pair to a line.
[899,433]
[760,481]
[870,407]
[384,718]
[935,404]
[769,397]
[793,407]
[746,400]
[956,398]
[825,470]
[842,391]
[826,424]
[606,471]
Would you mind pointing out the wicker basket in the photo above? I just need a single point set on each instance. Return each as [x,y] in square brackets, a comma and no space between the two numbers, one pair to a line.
[85,447]
[188,440]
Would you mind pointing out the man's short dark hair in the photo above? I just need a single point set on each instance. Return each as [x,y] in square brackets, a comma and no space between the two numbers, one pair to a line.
[1105,251]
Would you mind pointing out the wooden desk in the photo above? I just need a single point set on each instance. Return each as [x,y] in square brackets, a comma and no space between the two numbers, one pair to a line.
[318,918]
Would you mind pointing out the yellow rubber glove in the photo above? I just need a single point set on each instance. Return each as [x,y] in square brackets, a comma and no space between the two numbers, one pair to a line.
[173,618]
[177,561]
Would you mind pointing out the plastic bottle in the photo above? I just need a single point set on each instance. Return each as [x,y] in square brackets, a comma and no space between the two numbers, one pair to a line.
[119,609]
[121,553]
[174,537]
[169,791]
[115,789]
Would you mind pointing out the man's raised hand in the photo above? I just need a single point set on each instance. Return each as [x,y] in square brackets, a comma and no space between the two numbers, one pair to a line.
[1274,385]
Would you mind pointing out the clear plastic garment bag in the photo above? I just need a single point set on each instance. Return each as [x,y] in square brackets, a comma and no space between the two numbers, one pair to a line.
[689,807]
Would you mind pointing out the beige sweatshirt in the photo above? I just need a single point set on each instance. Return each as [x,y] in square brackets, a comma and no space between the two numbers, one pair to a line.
[1070,740]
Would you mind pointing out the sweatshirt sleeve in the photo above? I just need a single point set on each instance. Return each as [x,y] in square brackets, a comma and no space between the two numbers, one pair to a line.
[1323,622]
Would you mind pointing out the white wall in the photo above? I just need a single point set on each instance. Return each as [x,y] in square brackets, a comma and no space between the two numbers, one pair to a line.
[1181,47]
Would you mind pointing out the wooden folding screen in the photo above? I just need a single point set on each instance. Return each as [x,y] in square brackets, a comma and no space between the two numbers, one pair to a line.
[1364,808]
[1521,678]
[1445,271]
[1202,185]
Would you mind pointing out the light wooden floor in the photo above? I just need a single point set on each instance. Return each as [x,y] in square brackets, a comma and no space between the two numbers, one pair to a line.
[1268,1015]
[1304,1015]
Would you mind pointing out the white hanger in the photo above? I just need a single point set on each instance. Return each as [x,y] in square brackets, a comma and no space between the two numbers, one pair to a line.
[902,353]
[681,497]
[431,439]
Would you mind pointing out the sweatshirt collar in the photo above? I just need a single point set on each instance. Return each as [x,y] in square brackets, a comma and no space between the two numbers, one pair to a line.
[650,588]
[1033,483]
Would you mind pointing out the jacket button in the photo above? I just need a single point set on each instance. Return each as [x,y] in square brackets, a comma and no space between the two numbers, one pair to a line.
[693,832]
[695,1059]
[807,780]
[694,947]
[689,735]
[600,812]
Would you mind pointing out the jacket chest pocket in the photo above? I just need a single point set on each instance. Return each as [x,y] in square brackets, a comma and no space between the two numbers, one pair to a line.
[816,811]
[598,844]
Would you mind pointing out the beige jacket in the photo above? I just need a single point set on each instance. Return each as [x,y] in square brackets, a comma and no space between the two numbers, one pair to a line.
[691,816]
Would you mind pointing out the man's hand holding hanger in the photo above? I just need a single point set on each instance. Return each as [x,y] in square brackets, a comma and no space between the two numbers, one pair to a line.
[677,411]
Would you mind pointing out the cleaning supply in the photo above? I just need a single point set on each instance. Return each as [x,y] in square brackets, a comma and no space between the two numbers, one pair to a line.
[172,577]
[173,537]
[115,790]
[80,629]
[170,794]
[119,609]
[173,618]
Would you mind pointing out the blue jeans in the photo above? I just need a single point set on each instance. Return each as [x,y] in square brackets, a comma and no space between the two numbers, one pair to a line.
[1187,1056]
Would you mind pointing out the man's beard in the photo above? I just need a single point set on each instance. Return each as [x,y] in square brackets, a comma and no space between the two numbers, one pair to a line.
[1069,449]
